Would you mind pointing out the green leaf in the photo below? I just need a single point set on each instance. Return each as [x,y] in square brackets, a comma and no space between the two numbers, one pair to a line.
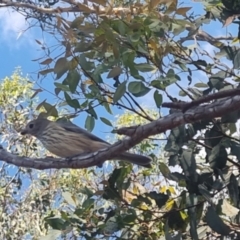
[82,47]
[192,200]
[46,71]
[138,89]
[218,157]
[88,204]
[188,163]
[205,193]
[63,87]
[129,219]
[107,107]
[236,60]
[56,223]
[200,62]
[87,191]
[89,123]
[134,38]
[71,102]
[73,79]
[160,198]
[228,52]
[233,190]
[201,85]
[217,79]
[158,98]
[84,63]
[216,223]
[51,110]
[145,67]
[121,89]
[61,67]
[164,169]
[106,121]
[235,149]
[116,71]
[91,111]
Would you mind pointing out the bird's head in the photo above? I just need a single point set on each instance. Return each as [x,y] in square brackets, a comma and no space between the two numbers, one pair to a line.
[35,127]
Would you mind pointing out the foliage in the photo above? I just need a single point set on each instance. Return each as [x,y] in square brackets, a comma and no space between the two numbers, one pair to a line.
[111,57]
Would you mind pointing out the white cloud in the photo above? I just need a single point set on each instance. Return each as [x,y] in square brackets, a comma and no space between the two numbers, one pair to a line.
[13,28]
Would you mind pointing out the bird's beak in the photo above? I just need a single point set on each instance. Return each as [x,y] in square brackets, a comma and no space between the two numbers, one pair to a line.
[24,131]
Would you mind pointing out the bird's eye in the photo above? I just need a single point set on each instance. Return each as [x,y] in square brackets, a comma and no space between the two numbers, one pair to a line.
[31,125]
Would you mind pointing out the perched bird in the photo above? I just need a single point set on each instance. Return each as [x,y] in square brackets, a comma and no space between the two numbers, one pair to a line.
[65,139]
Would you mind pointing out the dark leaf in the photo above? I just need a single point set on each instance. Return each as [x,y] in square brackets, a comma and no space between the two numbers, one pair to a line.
[218,157]
[121,89]
[217,79]
[56,223]
[188,164]
[159,198]
[115,72]
[158,98]
[71,102]
[87,66]
[73,79]
[235,149]
[215,222]
[236,60]
[106,121]
[233,190]
[46,71]
[61,67]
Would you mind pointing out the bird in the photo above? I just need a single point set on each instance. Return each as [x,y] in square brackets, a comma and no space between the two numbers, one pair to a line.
[65,139]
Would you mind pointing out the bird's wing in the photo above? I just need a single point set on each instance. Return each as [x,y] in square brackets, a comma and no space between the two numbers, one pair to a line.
[69,126]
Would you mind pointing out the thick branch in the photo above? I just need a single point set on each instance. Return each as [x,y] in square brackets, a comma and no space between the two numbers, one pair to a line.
[138,133]
[184,106]
[74,7]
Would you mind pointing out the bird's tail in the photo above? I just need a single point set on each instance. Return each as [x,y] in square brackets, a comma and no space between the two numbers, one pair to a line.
[135,159]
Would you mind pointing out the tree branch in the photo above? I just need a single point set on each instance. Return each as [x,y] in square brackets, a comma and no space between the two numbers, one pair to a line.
[137,133]
[74,7]
[184,106]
